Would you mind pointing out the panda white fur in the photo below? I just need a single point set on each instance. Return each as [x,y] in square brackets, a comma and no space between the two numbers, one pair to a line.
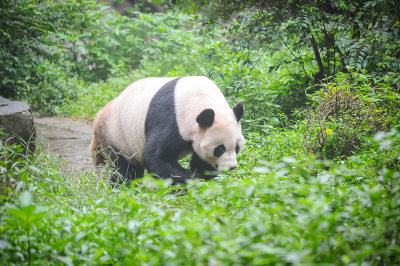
[156,121]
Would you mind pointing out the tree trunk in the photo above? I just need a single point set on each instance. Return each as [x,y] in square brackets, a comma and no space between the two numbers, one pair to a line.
[320,75]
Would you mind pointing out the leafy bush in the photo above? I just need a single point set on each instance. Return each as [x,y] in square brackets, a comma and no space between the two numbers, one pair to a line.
[321,38]
[91,97]
[115,45]
[56,88]
[27,35]
[345,112]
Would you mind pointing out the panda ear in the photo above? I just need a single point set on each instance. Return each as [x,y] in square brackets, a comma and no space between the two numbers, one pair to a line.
[206,118]
[238,110]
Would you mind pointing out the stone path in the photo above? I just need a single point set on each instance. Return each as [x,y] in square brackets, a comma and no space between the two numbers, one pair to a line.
[68,138]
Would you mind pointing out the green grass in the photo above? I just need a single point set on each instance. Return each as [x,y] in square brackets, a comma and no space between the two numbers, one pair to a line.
[272,210]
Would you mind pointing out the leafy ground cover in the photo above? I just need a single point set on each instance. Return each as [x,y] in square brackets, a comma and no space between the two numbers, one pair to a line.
[295,210]
[318,181]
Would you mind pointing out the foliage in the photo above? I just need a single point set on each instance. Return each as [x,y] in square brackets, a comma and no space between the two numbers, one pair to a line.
[165,49]
[345,113]
[340,35]
[300,211]
[12,170]
[272,145]
[27,36]
[282,205]
[114,44]
[55,90]
[113,51]
[91,97]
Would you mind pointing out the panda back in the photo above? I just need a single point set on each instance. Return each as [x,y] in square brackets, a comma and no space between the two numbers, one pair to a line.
[126,120]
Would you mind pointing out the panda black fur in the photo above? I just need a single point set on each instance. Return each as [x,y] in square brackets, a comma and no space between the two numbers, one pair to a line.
[156,121]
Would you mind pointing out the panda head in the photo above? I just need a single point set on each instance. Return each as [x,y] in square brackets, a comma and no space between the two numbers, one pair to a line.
[219,137]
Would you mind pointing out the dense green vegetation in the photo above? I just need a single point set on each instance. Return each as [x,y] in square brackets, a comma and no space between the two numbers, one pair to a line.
[319,178]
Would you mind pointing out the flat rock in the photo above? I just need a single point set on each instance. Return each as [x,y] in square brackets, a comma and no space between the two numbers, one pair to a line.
[68,139]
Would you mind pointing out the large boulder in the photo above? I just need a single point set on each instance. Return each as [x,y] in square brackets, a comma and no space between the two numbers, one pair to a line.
[16,121]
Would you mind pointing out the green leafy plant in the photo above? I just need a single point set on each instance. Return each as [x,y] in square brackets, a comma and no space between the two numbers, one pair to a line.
[115,44]
[56,88]
[285,210]
[345,113]
[27,36]
[323,38]
[26,216]
[13,170]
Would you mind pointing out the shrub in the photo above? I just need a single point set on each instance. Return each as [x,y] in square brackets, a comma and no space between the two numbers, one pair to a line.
[115,44]
[56,88]
[27,36]
[345,112]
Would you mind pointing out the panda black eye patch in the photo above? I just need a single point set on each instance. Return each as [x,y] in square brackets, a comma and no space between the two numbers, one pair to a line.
[219,150]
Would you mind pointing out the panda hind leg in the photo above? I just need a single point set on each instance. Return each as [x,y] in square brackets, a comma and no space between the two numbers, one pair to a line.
[127,169]
[98,156]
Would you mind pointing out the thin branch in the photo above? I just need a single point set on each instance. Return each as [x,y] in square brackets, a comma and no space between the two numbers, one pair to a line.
[294,55]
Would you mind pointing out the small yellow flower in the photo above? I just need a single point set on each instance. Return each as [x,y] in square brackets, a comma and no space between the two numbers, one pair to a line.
[328,131]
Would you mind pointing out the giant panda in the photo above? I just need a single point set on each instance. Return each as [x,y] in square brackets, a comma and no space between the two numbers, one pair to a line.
[156,121]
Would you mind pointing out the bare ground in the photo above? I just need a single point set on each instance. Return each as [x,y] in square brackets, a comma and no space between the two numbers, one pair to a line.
[68,138]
